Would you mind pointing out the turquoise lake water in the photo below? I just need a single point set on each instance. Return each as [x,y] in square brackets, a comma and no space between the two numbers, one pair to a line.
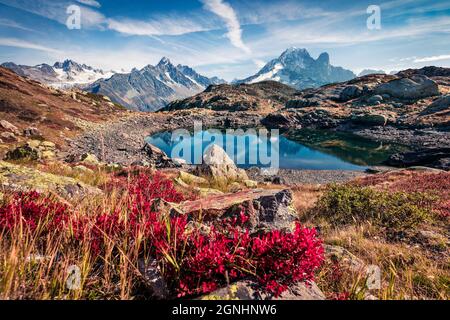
[300,149]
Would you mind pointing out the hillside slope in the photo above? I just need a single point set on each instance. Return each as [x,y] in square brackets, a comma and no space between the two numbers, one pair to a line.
[51,114]
[263,97]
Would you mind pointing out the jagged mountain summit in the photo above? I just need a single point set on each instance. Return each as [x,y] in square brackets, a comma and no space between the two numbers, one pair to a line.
[296,67]
[61,75]
[367,72]
[153,87]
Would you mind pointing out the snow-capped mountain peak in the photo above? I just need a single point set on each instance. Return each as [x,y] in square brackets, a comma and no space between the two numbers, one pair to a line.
[64,74]
[164,61]
[71,73]
[296,67]
[152,87]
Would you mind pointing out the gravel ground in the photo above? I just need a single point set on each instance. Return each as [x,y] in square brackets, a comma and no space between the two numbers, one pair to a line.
[295,177]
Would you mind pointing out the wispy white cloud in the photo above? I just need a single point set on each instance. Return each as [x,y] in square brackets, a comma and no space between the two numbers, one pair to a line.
[13,24]
[156,27]
[326,32]
[257,13]
[18,43]
[433,58]
[91,3]
[226,12]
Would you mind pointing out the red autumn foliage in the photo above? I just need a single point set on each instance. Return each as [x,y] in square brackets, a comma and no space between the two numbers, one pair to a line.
[340,296]
[409,181]
[31,210]
[193,262]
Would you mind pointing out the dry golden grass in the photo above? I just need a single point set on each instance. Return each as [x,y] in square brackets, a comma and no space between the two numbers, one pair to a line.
[29,270]
[306,196]
[407,271]
[412,268]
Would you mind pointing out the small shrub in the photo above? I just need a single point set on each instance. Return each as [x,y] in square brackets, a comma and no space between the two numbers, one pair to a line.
[396,211]
[31,210]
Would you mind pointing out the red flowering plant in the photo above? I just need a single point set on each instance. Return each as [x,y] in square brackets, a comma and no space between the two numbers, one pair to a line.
[192,262]
[32,211]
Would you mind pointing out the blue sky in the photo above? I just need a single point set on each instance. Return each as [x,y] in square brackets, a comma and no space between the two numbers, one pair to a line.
[226,38]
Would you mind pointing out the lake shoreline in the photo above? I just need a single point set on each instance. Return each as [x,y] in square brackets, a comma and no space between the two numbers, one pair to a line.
[122,141]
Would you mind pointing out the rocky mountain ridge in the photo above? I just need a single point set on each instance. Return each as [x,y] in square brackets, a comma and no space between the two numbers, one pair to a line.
[63,75]
[296,67]
[152,87]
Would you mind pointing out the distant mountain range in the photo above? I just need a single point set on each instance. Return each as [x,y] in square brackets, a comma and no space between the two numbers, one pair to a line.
[296,67]
[153,87]
[61,75]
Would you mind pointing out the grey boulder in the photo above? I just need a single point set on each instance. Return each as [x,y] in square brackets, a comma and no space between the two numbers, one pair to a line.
[412,88]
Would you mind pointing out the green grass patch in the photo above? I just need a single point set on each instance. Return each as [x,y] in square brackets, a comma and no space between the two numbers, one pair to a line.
[395,211]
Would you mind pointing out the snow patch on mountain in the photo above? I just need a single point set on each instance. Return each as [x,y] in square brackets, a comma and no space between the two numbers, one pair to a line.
[62,75]
[270,75]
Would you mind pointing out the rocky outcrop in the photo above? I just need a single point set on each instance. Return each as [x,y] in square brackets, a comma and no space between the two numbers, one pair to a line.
[263,97]
[247,290]
[268,209]
[19,178]
[157,157]
[280,120]
[440,104]
[8,137]
[350,92]
[5,125]
[370,119]
[430,71]
[413,88]
[436,158]
[33,150]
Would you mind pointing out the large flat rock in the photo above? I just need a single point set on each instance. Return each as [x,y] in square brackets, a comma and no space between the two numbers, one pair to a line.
[267,209]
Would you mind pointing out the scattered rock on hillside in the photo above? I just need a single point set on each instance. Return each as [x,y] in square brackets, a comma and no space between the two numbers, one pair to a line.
[413,88]
[280,120]
[370,119]
[157,156]
[219,166]
[344,257]
[32,132]
[350,92]
[8,137]
[90,159]
[436,158]
[18,178]
[33,150]
[440,104]
[9,127]
[153,279]
[376,99]
[302,103]
[247,290]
